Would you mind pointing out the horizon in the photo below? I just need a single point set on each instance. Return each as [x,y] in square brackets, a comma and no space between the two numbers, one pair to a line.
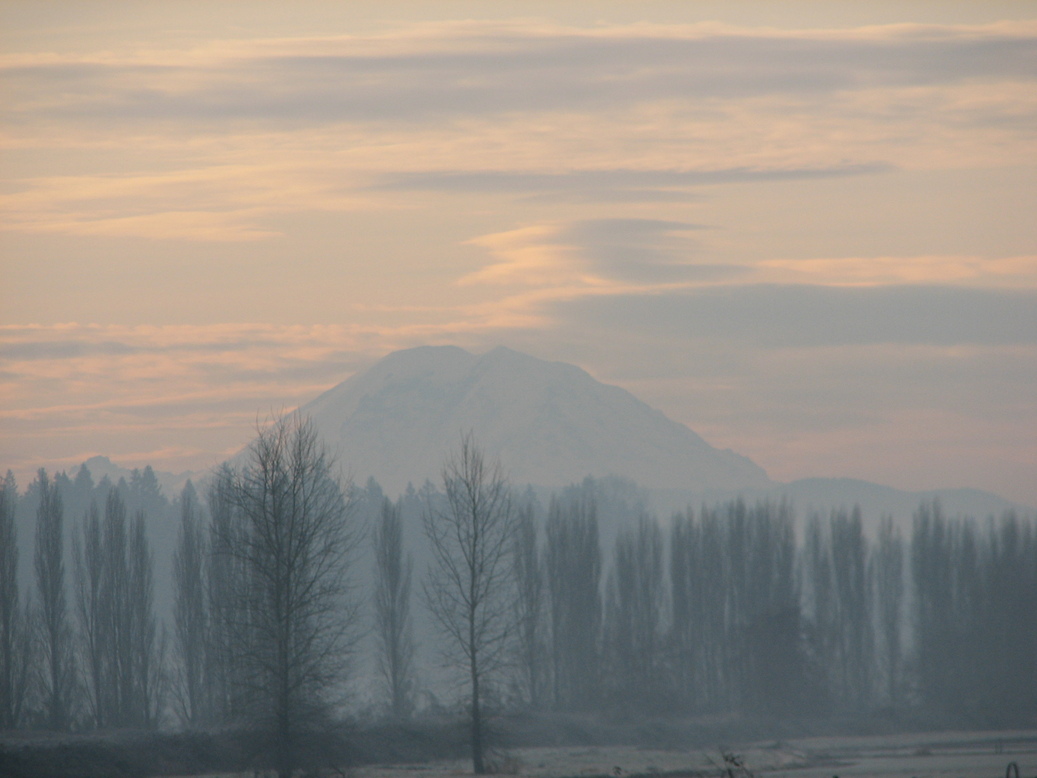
[804,232]
[812,490]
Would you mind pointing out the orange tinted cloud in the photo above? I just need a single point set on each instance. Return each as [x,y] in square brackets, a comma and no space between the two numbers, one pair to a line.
[1016,272]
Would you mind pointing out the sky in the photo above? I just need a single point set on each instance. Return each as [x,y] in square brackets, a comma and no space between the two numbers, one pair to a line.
[804,229]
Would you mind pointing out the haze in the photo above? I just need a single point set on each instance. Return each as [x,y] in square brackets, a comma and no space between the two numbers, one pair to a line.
[804,230]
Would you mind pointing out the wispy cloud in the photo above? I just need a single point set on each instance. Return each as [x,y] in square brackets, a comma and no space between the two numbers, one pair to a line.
[225,137]
[596,255]
[1014,272]
[456,70]
[780,316]
[716,212]
[613,185]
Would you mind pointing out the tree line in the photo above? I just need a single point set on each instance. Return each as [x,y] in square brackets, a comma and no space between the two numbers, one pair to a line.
[726,608]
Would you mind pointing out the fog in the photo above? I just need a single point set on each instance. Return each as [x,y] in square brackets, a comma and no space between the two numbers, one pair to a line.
[732,611]
[549,389]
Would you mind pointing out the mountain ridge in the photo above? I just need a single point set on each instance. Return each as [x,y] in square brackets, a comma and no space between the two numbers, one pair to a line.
[551,423]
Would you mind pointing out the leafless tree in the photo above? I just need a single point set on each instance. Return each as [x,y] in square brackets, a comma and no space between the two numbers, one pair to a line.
[468,583]
[224,572]
[293,544]
[15,623]
[58,676]
[850,554]
[190,612]
[530,601]
[145,661]
[573,557]
[115,593]
[634,616]
[88,556]
[889,594]
[392,609]
[9,610]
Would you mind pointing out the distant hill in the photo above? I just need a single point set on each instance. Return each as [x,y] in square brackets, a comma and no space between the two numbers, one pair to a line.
[549,422]
[170,483]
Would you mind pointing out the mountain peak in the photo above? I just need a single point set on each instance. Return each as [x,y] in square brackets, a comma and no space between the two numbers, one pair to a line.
[551,423]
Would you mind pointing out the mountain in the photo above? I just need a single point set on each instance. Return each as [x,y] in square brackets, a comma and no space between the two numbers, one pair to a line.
[549,422]
[170,483]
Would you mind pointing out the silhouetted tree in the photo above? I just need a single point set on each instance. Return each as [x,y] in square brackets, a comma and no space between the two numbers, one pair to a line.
[975,634]
[530,599]
[1003,642]
[573,556]
[225,578]
[760,575]
[115,598]
[88,556]
[58,676]
[15,622]
[392,609]
[467,588]
[146,672]
[9,606]
[190,617]
[292,541]
[820,589]
[889,601]
[854,618]
[932,566]
[634,612]
[709,577]
[703,641]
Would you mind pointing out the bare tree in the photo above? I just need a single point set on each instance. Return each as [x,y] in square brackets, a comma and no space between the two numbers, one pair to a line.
[468,581]
[530,599]
[58,675]
[573,561]
[15,624]
[634,617]
[850,569]
[115,587]
[392,609]
[88,556]
[9,610]
[224,572]
[145,664]
[293,544]
[889,592]
[189,611]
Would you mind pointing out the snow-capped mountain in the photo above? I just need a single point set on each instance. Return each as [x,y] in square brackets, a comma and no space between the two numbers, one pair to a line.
[550,423]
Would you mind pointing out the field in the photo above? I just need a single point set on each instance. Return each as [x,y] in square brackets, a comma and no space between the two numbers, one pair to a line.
[943,755]
[405,752]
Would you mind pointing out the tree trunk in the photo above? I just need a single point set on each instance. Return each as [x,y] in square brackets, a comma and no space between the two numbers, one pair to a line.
[477,748]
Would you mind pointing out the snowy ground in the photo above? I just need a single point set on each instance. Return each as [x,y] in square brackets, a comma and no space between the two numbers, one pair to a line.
[943,755]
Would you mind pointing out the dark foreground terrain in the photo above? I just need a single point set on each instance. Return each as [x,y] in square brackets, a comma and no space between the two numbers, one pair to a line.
[538,748]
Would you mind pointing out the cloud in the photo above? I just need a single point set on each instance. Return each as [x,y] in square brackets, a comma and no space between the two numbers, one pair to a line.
[214,203]
[642,250]
[596,254]
[459,70]
[782,316]
[1017,272]
[113,366]
[119,389]
[635,185]
[214,143]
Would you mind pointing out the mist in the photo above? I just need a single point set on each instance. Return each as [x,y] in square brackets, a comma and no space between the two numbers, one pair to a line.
[632,389]
[722,622]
